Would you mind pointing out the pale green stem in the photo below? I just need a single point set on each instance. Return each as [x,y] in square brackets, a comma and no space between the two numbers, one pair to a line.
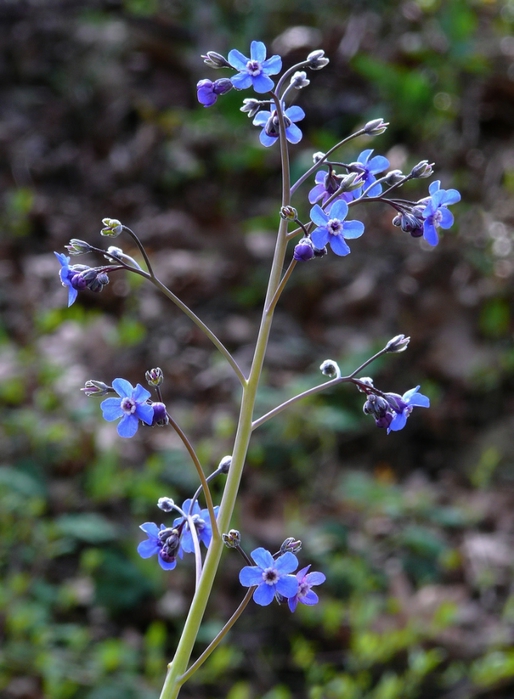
[217,640]
[178,667]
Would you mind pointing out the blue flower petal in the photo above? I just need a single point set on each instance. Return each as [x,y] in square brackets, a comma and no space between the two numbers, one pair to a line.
[141,394]
[128,426]
[430,233]
[237,60]
[377,164]
[148,548]
[339,210]
[353,229]
[123,388]
[261,118]
[320,237]
[286,563]
[144,412]
[266,140]
[272,65]
[295,113]
[150,529]
[262,83]
[258,51]
[318,216]
[338,245]
[263,558]
[111,409]
[241,81]
[293,134]
[287,585]
[264,594]
[166,565]
[250,576]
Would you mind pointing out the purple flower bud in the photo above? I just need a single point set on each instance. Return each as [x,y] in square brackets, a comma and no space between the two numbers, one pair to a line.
[154,377]
[317,59]
[165,504]
[215,60]
[208,91]
[232,540]
[96,388]
[304,250]
[160,414]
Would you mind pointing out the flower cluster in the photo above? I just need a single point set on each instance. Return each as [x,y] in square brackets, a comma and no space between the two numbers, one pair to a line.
[168,543]
[79,277]
[391,410]
[272,578]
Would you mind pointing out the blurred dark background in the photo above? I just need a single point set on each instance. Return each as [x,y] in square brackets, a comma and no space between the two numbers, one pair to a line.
[415,530]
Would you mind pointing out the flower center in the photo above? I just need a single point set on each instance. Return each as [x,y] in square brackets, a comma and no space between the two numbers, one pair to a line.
[253,68]
[437,216]
[334,226]
[270,576]
[128,405]
[303,589]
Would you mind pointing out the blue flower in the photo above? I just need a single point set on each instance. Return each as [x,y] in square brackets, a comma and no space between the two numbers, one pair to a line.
[69,277]
[333,229]
[131,406]
[269,121]
[436,214]
[326,184]
[403,406]
[208,91]
[305,595]
[270,576]
[368,169]
[254,71]
[202,523]
[162,541]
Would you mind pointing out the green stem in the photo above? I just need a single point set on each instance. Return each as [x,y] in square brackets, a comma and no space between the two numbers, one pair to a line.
[217,640]
[177,668]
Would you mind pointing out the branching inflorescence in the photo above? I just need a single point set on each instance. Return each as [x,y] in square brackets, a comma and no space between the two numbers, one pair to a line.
[337,187]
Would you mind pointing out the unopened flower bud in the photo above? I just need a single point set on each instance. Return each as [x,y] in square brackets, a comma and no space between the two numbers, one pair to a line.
[160,414]
[393,177]
[299,80]
[398,343]
[165,504]
[331,369]
[215,60]
[251,106]
[304,250]
[317,59]
[289,213]
[78,247]
[375,127]
[422,169]
[225,464]
[154,377]
[96,388]
[232,540]
[316,157]
[291,544]
[350,182]
[112,227]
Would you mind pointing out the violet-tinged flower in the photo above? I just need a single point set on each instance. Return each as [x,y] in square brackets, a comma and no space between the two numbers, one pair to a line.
[403,407]
[254,71]
[333,229]
[306,581]
[69,277]
[436,215]
[163,541]
[131,407]
[327,183]
[270,576]
[369,167]
[208,91]
[202,522]
[269,121]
